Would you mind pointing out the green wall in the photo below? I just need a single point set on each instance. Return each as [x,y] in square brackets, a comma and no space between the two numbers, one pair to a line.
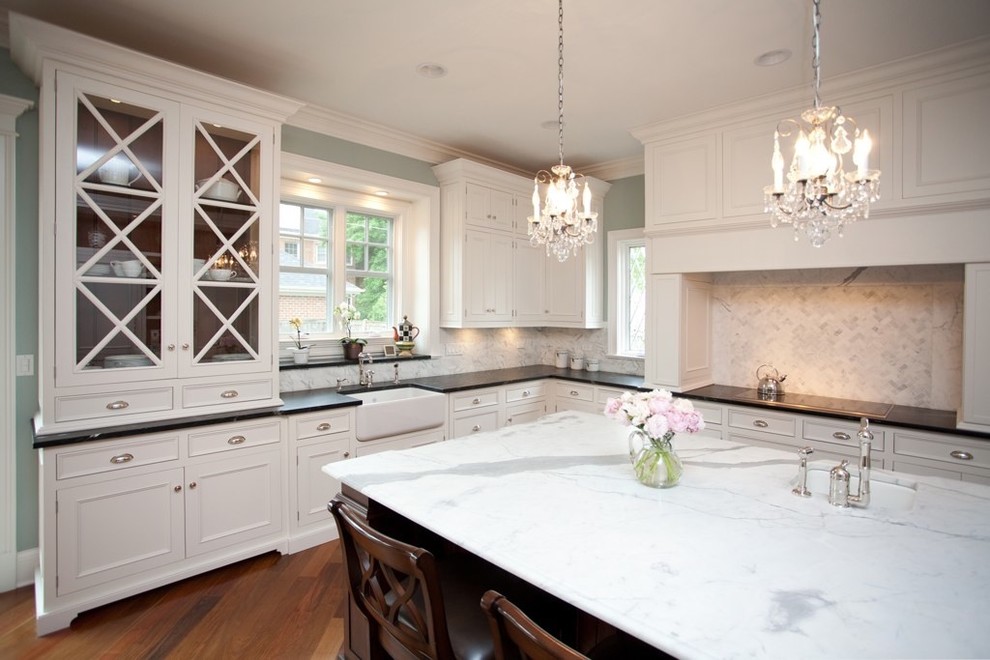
[14,83]
[624,208]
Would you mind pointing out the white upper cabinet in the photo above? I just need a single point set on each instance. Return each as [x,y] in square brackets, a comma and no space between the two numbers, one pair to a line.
[157,198]
[490,275]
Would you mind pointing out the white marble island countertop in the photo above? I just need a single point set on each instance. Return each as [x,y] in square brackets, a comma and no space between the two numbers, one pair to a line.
[727,564]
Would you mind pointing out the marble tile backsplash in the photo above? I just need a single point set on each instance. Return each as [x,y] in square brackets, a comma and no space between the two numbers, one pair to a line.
[891,334]
[481,349]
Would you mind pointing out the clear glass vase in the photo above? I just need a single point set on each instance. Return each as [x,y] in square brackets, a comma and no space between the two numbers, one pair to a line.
[654,460]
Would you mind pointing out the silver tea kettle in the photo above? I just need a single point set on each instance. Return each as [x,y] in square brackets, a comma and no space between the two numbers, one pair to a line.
[770,386]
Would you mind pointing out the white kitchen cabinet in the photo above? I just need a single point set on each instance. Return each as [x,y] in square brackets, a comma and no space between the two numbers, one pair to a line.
[958,457]
[525,402]
[682,181]
[157,197]
[490,275]
[571,395]
[491,408]
[124,515]
[403,441]
[489,207]
[679,332]
[487,278]
[975,412]
[316,439]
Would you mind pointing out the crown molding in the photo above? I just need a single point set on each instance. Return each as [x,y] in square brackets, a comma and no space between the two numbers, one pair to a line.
[874,81]
[613,170]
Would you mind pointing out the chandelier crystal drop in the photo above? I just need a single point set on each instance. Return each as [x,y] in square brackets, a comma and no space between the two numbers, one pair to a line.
[560,224]
[819,197]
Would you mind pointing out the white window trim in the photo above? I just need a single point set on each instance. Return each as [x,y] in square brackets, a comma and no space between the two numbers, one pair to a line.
[416,242]
[618,242]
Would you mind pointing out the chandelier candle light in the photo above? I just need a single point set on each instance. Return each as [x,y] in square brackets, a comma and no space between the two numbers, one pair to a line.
[560,225]
[819,197]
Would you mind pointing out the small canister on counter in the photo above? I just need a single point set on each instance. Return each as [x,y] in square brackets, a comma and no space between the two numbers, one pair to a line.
[577,362]
[563,359]
[591,364]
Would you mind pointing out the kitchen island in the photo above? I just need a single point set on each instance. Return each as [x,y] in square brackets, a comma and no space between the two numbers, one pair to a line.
[727,564]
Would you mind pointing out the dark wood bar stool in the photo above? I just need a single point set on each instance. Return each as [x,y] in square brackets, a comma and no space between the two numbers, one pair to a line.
[415,609]
[517,637]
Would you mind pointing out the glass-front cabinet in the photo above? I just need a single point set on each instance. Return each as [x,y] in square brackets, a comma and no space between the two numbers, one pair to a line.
[162,252]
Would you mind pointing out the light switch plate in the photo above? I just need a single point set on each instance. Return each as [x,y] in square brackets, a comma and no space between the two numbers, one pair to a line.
[25,365]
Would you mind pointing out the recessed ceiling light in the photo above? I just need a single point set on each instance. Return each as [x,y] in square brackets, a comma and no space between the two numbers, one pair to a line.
[431,70]
[773,57]
[315,179]
[381,193]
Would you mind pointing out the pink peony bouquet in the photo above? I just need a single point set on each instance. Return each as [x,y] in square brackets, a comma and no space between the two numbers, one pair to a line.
[658,414]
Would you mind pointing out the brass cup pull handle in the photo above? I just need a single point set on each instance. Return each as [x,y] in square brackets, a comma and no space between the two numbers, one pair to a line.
[229,394]
[325,426]
[475,401]
[117,405]
[121,458]
[841,435]
[961,455]
[574,393]
[760,424]
[475,428]
[236,440]
[192,485]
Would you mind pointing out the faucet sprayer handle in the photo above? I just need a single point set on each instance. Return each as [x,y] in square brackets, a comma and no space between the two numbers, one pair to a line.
[864,429]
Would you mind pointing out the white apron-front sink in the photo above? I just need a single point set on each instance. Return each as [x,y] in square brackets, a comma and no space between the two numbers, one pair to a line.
[386,413]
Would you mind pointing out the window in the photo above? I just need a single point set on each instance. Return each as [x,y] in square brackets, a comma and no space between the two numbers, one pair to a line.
[627,292]
[331,253]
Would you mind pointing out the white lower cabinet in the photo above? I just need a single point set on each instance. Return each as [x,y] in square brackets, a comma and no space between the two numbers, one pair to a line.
[491,408]
[121,516]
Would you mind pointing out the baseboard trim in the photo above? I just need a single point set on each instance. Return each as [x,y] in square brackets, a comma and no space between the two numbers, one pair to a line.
[27,565]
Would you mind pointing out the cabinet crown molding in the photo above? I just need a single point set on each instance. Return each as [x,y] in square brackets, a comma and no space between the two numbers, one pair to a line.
[34,42]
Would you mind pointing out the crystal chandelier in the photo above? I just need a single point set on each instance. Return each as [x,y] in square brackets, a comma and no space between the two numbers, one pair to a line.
[560,225]
[819,196]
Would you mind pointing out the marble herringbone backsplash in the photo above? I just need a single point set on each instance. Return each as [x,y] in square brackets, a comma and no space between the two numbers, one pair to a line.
[890,334]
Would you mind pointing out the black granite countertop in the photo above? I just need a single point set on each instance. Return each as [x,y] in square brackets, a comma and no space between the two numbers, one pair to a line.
[943,421]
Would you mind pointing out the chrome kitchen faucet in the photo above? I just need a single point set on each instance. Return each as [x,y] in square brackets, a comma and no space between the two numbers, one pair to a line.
[838,491]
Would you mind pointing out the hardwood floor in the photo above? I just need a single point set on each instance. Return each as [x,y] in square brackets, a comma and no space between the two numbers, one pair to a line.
[270,606]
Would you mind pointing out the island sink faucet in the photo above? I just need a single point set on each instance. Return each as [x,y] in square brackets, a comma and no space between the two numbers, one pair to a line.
[363,376]
[838,491]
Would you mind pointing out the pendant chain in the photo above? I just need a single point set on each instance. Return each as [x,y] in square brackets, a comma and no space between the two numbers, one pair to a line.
[560,80]
[816,61]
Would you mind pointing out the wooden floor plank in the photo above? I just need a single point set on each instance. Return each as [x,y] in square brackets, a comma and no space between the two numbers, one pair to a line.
[268,606]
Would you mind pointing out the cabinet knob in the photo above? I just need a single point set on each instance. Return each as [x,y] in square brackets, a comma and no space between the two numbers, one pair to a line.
[236,440]
[185,346]
[347,454]
[192,485]
[508,421]
[760,424]
[177,489]
[841,435]
[325,426]
[525,393]
[122,458]
[961,455]
[475,428]
[229,394]
[117,405]
[476,401]
[171,347]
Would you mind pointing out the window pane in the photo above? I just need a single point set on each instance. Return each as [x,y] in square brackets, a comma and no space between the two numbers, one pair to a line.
[318,222]
[372,302]
[356,227]
[289,251]
[378,259]
[303,296]
[314,249]
[288,218]
[355,256]
[636,299]
[378,229]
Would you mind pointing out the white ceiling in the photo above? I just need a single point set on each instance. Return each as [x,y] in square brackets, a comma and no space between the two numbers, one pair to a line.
[628,63]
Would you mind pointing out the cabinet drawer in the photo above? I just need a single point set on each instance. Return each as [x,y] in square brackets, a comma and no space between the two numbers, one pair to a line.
[524,391]
[760,421]
[710,412]
[475,424]
[521,413]
[194,396]
[325,422]
[953,451]
[472,400]
[603,394]
[237,437]
[838,433]
[576,392]
[116,455]
[109,405]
